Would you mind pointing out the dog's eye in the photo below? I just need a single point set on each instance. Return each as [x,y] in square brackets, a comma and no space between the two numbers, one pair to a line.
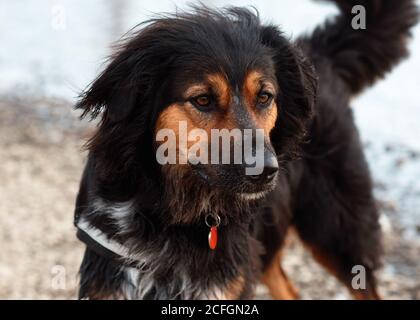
[202,103]
[264,99]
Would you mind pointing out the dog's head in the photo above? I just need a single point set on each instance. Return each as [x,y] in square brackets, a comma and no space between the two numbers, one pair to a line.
[180,78]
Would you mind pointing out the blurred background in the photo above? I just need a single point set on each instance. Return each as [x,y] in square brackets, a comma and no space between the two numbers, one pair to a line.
[51,50]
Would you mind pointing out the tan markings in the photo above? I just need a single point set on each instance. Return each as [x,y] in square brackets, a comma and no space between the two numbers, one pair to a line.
[252,86]
[234,289]
[196,90]
[277,282]
[171,117]
[222,89]
[264,119]
[371,294]
[331,265]
[268,119]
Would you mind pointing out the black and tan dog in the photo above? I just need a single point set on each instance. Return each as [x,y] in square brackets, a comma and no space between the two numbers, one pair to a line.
[146,225]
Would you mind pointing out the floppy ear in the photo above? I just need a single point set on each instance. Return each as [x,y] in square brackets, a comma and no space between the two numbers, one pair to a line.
[124,95]
[298,85]
[115,90]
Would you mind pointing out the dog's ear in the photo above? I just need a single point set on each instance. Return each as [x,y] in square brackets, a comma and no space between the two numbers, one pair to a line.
[298,85]
[118,89]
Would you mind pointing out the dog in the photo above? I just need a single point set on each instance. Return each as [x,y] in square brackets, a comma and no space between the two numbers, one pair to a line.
[210,231]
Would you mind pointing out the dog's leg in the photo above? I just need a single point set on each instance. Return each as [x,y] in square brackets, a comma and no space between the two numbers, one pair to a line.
[277,281]
[337,219]
[275,221]
[342,270]
[353,240]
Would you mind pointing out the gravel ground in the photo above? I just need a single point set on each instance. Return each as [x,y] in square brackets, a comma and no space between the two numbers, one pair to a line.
[41,163]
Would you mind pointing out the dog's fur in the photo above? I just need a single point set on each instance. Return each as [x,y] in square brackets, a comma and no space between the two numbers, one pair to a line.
[323,189]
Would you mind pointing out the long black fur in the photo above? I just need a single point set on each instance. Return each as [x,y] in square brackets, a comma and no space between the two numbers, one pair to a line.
[324,190]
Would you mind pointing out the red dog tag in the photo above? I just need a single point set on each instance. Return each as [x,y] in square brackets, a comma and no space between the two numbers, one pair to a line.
[213,238]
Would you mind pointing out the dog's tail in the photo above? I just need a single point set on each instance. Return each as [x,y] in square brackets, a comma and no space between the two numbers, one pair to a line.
[361,56]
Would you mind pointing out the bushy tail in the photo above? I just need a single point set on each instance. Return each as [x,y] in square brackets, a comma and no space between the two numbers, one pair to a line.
[361,56]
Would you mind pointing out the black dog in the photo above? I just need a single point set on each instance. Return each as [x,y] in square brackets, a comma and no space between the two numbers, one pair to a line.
[146,225]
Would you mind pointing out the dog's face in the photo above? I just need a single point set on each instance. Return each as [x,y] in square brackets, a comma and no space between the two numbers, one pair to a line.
[195,73]
[220,104]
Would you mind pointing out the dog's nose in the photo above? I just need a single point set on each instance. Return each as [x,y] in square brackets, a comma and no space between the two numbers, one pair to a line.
[271,166]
